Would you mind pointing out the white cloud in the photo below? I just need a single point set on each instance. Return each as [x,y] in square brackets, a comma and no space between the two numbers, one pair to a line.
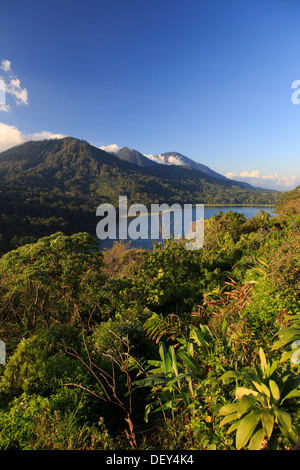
[246,174]
[174,160]
[110,148]
[271,181]
[4,107]
[44,135]
[164,160]
[11,136]
[5,65]
[157,158]
[12,85]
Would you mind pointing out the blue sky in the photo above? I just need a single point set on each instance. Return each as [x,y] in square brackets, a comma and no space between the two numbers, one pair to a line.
[211,79]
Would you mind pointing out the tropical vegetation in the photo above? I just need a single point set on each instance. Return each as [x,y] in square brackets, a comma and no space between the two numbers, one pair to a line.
[155,349]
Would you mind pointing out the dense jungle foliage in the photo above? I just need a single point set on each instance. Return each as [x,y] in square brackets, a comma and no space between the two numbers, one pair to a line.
[162,349]
[57,185]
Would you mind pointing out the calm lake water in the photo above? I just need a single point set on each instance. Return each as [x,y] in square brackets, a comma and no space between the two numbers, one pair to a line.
[208,213]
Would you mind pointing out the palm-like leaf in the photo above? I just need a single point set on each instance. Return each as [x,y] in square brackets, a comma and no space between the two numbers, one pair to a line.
[261,407]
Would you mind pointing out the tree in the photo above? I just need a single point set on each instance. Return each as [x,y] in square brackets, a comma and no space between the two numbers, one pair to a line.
[56,279]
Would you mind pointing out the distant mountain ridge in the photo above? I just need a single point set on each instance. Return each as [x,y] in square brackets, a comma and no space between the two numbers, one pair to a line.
[175,158]
[133,156]
[57,184]
[167,158]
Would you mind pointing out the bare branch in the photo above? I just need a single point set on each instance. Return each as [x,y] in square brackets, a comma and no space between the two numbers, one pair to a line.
[118,355]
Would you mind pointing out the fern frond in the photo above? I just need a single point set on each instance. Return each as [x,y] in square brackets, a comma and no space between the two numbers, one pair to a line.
[158,326]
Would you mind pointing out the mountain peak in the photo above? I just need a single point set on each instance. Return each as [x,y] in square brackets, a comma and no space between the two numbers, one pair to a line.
[168,158]
[133,156]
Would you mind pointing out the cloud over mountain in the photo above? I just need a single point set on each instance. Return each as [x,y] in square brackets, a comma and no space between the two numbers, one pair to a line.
[163,159]
[110,148]
[11,136]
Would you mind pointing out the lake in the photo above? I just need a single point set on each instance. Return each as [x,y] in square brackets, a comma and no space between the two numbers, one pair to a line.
[209,211]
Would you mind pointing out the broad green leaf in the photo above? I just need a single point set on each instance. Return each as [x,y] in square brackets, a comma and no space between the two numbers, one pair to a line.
[257,440]
[182,341]
[179,377]
[274,390]
[246,428]
[292,394]
[259,373]
[288,335]
[292,333]
[228,409]
[197,336]
[257,386]
[241,391]
[267,420]
[272,368]
[228,418]
[189,362]
[233,427]
[284,418]
[202,336]
[153,381]
[244,404]
[277,345]
[290,382]
[165,357]
[263,361]
[291,435]
[232,374]
[266,390]
[157,364]
[174,361]
[286,356]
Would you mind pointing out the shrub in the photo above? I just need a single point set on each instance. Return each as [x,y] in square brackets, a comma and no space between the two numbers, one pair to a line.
[264,410]
[31,423]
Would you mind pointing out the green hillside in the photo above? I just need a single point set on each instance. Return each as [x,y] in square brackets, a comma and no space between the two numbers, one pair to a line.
[169,349]
[56,185]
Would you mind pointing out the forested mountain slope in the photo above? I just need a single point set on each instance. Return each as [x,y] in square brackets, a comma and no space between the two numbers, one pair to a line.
[58,184]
